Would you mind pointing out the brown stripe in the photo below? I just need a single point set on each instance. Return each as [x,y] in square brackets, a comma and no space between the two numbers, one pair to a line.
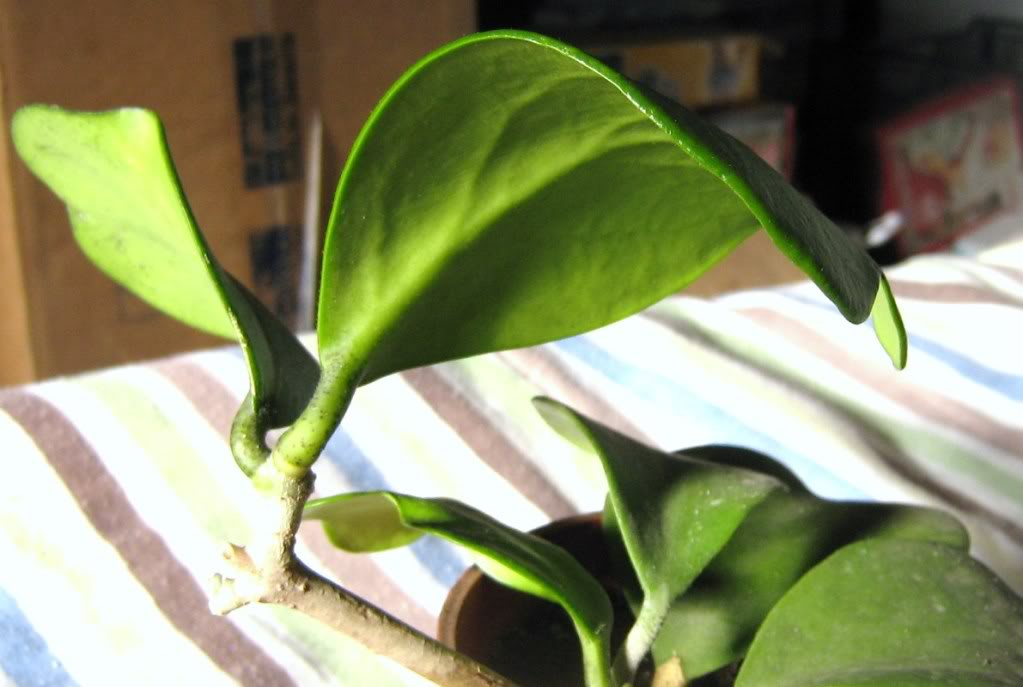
[208,395]
[357,572]
[951,293]
[168,582]
[944,412]
[1008,271]
[492,447]
[549,375]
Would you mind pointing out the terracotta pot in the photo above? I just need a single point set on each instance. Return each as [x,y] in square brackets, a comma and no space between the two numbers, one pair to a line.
[529,640]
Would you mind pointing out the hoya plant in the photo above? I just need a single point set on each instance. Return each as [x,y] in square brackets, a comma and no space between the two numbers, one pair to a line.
[510,190]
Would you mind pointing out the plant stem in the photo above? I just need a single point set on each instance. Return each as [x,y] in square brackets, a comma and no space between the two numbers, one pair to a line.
[639,640]
[596,660]
[382,634]
[267,571]
[248,445]
[301,444]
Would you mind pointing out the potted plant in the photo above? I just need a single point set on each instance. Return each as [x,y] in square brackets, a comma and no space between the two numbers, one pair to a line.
[510,190]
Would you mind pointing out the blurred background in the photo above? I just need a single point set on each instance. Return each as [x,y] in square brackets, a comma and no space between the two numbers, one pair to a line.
[900,118]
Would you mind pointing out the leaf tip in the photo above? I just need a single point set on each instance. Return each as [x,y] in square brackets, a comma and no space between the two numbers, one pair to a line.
[888,326]
[24,123]
[563,420]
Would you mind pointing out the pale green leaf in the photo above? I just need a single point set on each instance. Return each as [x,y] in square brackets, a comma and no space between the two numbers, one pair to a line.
[888,325]
[128,213]
[362,522]
[115,174]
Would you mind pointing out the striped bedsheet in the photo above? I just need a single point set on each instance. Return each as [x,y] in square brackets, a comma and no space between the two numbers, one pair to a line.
[120,488]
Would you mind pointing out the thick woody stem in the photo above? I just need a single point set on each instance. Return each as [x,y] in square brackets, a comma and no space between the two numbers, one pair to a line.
[267,571]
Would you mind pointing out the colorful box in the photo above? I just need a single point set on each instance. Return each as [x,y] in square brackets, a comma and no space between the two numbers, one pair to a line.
[953,164]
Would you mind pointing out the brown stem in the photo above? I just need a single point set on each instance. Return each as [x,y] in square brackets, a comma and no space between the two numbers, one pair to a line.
[267,571]
[306,591]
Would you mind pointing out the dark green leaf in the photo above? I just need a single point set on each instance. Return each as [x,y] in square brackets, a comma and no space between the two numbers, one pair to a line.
[375,521]
[712,624]
[674,513]
[510,190]
[891,613]
[130,217]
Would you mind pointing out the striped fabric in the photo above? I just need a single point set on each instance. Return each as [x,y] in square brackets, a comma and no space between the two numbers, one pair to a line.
[122,487]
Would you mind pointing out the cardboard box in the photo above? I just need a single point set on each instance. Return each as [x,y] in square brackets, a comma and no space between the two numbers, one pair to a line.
[239,86]
[697,72]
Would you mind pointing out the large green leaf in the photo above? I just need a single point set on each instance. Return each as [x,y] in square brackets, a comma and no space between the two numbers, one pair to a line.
[712,624]
[891,613]
[674,513]
[510,189]
[130,217]
[374,521]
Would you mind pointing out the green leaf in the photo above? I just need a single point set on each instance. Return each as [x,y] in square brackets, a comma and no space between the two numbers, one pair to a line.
[130,217]
[891,613]
[510,190]
[674,513]
[373,521]
[362,522]
[712,624]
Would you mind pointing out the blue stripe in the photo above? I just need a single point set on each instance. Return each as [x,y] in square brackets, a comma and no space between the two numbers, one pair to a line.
[1005,384]
[24,656]
[1002,383]
[725,427]
[436,555]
